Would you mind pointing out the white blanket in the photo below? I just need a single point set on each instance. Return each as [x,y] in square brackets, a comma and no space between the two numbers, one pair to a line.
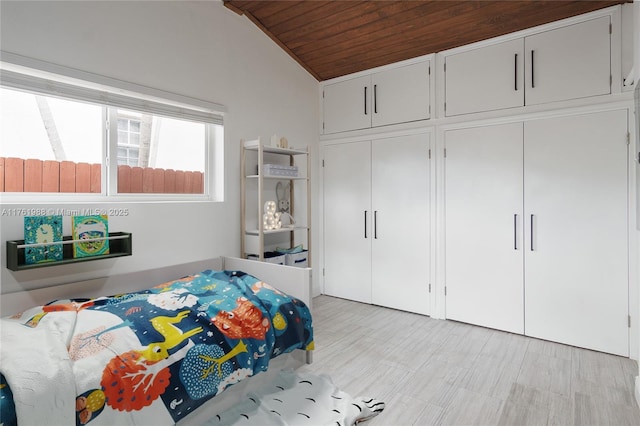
[32,365]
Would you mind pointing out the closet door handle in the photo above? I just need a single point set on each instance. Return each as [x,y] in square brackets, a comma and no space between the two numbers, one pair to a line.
[515,232]
[375,98]
[515,72]
[365,100]
[365,224]
[531,239]
[533,85]
[375,224]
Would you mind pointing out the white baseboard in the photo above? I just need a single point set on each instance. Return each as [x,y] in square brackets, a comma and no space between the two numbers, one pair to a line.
[638,390]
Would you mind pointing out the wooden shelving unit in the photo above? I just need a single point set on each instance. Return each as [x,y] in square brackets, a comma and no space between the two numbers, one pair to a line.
[253,234]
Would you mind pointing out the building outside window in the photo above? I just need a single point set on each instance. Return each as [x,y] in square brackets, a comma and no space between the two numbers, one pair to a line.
[129,138]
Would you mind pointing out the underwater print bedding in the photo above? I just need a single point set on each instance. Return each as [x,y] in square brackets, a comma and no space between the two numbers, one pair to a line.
[150,357]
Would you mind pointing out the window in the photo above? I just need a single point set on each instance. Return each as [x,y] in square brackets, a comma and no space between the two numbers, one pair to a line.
[50,144]
[60,138]
[159,154]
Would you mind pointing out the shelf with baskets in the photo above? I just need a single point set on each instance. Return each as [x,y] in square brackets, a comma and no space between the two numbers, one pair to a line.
[275,199]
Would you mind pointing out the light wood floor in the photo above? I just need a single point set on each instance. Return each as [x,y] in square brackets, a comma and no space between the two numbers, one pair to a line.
[436,372]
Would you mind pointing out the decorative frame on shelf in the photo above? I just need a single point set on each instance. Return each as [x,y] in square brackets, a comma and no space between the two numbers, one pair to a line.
[120,244]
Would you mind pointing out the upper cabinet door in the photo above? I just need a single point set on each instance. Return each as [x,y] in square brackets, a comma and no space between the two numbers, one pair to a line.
[347,105]
[397,95]
[569,63]
[401,94]
[484,79]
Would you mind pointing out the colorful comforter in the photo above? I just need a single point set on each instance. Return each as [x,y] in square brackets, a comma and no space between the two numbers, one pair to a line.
[150,357]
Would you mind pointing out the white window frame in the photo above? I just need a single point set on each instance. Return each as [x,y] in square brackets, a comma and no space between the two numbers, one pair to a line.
[35,76]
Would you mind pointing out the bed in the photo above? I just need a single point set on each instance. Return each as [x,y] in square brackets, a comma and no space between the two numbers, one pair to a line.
[171,346]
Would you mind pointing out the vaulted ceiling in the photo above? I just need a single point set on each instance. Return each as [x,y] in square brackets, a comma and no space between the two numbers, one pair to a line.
[334,38]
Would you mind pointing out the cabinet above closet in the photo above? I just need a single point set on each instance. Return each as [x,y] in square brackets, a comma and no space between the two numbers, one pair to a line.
[576,60]
[396,95]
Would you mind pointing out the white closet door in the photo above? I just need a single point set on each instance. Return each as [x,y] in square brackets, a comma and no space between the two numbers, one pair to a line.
[400,200]
[347,221]
[569,62]
[347,105]
[484,79]
[576,253]
[483,219]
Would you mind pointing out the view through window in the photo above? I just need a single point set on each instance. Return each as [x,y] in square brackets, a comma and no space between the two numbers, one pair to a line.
[48,144]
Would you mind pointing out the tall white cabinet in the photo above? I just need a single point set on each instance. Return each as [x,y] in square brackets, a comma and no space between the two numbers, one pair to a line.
[376,221]
[576,264]
[483,219]
[347,220]
[536,228]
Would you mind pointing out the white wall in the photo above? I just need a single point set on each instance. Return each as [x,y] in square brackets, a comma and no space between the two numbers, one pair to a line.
[196,49]
[635,233]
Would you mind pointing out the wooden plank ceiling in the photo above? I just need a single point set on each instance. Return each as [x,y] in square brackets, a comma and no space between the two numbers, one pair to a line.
[333,38]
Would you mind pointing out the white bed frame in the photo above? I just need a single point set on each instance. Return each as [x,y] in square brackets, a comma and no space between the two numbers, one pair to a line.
[291,280]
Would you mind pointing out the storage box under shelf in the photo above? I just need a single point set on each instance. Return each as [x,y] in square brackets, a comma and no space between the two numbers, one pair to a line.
[299,259]
[120,244]
[270,257]
[280,170]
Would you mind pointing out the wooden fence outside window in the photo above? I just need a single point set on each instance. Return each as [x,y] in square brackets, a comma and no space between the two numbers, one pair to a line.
[29,175]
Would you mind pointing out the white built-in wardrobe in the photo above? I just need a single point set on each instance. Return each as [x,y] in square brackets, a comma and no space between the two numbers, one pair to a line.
[536,228]
[509,207]
[376,221]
